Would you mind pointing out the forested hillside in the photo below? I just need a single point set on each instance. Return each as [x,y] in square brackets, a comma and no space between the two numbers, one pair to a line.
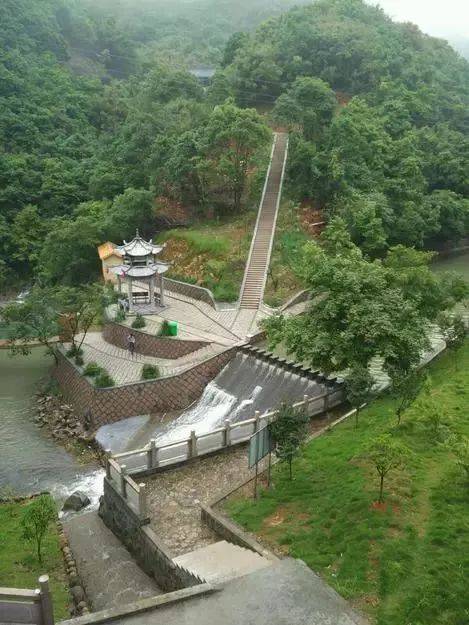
[83,157]
[379,114]
[101,125]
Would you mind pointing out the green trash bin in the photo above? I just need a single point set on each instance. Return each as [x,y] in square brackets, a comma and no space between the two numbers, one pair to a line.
[172,328]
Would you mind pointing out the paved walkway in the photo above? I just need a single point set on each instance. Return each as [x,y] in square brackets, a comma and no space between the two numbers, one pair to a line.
[109,574]
[125,369]
[287,593]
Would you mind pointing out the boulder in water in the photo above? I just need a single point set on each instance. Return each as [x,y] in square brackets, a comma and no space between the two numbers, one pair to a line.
[76,501]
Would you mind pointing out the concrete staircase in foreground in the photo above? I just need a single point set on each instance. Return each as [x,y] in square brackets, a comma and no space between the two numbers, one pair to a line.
[222,561]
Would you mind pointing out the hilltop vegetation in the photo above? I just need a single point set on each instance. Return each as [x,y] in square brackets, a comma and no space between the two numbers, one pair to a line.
[393,156]
[102,128]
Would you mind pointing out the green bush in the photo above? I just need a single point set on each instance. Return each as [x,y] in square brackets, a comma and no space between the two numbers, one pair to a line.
[92,369]
[74,351]
[225,291]
[139,322]
[79,360]
[120,316]
[150,372]
[104,380]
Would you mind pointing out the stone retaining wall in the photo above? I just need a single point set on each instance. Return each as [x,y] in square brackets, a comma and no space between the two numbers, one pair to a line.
[148,344]
[99,406]
[190,290]
[142,542]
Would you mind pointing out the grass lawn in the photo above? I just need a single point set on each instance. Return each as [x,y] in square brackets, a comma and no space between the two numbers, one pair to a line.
[405,562]
[19,567]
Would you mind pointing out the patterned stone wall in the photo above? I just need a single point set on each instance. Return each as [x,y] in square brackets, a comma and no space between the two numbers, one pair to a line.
[148,344]
[107,405]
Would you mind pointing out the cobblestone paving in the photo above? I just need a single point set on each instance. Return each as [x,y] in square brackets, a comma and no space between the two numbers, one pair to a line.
[174,497]
[125,369]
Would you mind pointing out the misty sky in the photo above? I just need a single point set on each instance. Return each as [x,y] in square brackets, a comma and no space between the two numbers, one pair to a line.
[441,18]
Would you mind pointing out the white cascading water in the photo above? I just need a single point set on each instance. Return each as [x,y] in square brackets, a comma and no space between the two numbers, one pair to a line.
[245,385]
[211,409]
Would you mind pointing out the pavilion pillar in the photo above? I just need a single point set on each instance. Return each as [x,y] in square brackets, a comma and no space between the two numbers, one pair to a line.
[130,289]
[152,290]
[161,289]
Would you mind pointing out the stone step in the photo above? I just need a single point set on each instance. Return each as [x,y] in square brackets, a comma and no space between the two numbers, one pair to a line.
[221,561]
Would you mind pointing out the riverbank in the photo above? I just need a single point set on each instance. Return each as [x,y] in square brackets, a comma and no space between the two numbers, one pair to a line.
[30,459]
[61,423]
[400,561]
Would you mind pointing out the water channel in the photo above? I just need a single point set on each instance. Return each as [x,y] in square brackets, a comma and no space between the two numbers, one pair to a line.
[30,461]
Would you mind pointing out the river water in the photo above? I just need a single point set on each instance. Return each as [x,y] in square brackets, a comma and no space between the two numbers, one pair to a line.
[29,460]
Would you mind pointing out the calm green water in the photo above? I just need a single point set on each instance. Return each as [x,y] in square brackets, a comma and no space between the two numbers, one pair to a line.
[458,263]
[29,460]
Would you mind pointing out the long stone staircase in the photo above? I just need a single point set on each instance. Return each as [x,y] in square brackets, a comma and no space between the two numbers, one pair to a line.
[222,561]
[252,289]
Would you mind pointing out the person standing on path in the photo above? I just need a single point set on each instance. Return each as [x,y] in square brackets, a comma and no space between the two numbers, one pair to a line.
[131,344]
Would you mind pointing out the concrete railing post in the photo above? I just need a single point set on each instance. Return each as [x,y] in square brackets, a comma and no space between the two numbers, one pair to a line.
[193,445]
[46,601]
[326,401]
[227,437]
[108,464]
[142,501]
[123,482]
[257,415]
[151,454]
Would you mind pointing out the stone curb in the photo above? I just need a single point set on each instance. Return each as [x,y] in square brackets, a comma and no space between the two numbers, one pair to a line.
[143,605]
[76,588]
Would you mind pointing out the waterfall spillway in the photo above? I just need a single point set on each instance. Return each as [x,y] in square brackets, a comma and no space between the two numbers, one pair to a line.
[245,385]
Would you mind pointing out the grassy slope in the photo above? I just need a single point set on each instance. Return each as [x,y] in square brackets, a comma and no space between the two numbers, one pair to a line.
[19,567]
[290,237]
[404,564]
[212,254]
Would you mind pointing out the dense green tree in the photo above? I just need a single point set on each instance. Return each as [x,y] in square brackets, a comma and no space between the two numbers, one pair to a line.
[362,309]
[288,431]
[309,104]
[233,138]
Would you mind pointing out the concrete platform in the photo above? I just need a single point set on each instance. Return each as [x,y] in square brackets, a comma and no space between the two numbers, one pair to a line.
[286,593]
[222,561]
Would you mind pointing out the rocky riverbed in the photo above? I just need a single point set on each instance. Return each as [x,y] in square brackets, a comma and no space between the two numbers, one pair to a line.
[59,420]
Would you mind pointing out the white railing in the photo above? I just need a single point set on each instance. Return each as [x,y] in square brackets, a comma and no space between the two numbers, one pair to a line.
[133,493]
[27,606]
[153,457]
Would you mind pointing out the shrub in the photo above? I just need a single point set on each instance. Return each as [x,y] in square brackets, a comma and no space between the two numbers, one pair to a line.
[150,372]
[79,360]
[103,380]
[139,322]
[92,369]
[37,517]
[120,316]
[74,351]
